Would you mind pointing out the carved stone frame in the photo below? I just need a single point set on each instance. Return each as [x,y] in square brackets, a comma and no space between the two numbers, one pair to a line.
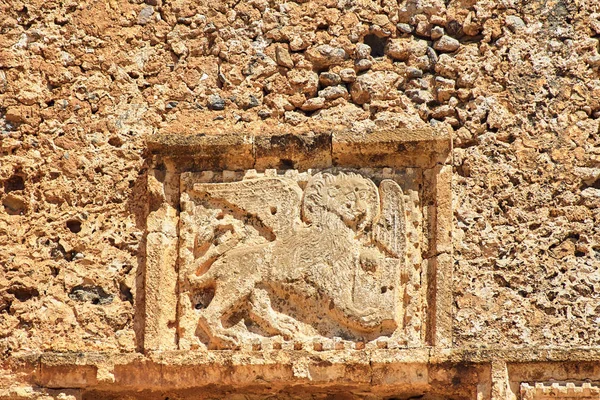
[559,390]
[425,151]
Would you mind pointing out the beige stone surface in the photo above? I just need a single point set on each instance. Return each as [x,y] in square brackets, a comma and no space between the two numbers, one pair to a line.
[491,106]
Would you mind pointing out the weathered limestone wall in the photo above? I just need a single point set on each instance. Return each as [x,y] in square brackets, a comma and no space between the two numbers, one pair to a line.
[83,84]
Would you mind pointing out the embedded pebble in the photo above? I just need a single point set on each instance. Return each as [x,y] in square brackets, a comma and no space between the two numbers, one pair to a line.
[404,28]
[348,75]
[145,15]
[447,44]
[437,32]
[364,64]
[325,55]
[329,79]
[313,104]
[334,92]
[363,50]
[283,57]
[514,23]
[215,102]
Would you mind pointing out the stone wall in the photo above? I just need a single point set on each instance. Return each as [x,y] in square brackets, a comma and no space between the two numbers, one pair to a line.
[84,84]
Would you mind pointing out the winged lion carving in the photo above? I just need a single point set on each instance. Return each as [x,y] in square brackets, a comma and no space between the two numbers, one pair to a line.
[337,247]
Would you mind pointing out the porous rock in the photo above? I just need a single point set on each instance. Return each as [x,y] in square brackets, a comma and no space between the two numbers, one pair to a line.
[325,55]
[447,44]
[490,130]
[378,85]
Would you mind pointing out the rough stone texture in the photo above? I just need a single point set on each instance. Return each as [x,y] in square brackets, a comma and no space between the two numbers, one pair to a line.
[84,83]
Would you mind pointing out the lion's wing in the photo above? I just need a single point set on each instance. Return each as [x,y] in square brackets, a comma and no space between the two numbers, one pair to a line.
[390,230]
[274,201]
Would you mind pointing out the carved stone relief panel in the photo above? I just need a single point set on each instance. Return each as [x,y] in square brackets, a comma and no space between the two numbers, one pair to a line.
[253,244]
[330,257]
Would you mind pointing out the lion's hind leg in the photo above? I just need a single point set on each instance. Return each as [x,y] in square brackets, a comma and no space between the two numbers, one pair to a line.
[273,322]
[229,294]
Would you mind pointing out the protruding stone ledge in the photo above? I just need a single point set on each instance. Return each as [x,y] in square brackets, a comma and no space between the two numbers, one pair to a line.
[392,371]
[422,148]
[286,150]
[403,147]
[423,370]
[204,151]
[454,373]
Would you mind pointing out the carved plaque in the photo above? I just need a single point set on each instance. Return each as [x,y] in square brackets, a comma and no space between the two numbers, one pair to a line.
[304,256]
[334,257]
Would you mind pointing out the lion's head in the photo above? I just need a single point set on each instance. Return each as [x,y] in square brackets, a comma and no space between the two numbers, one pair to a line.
[346,194]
